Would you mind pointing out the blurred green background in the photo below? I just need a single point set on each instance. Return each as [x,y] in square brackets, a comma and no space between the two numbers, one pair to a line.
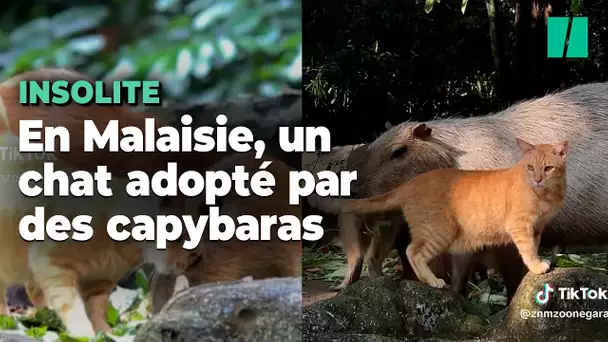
[201,50]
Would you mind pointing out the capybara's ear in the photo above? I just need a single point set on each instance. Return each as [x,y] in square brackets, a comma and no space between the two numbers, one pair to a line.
[561,148]
[524,146]
[422,131]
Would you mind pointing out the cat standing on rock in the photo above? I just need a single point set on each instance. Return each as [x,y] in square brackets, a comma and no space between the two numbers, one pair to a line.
[462,211]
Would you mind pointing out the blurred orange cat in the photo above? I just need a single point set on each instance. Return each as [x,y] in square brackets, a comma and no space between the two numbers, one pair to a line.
[71,277]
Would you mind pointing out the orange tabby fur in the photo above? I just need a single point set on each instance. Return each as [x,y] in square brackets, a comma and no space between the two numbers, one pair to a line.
[215,261]
[461,210]
[73,278]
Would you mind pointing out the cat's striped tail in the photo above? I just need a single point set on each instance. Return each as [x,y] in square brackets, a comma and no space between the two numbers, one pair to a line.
[385,202]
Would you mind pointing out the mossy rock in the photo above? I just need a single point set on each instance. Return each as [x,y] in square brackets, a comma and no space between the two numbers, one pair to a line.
[517,327]
[385,308]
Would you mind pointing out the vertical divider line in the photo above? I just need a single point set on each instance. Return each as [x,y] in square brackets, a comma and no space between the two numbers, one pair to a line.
[568,32]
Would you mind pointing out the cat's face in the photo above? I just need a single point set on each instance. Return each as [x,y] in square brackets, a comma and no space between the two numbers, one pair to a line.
[544,164]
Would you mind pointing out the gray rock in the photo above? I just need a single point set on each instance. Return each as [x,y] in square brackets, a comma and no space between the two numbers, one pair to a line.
[389,309]
[247,310]
[515,327]
[4,337]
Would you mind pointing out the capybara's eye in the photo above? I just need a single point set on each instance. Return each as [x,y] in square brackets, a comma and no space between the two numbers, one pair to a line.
[548,168]
[400,152]
[530,167]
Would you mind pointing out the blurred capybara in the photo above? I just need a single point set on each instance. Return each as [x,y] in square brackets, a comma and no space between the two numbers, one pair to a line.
[357,231]
[578,114]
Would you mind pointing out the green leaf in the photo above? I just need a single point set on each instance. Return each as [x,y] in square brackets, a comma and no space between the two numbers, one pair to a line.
[338,274]
[141,280]
[112,315]
[165,5]
[36,332]
[185,63]
[64,337]
[7,323]
[102,337]
[565,261]
[89,45]
[428,6]
[464,6]
[78,19]
[44,317]
[35,28]
[577,259]
[210,15]
[120,330]
[575,7]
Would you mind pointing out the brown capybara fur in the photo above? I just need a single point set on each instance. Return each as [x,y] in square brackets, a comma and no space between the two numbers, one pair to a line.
[357,231]
[215,261]
[578,114]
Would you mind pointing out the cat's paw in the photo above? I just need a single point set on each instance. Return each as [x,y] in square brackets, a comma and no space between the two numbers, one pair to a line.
[540,267]
[437,283]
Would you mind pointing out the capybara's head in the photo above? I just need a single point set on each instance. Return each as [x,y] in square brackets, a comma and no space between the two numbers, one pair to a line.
[398,155]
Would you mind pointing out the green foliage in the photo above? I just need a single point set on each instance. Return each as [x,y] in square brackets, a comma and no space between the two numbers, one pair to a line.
[63,337]
[43,318]
[428,5]
[200,49]
[7,323]
[575,7]
[463,7]
[112,315]
[380,61]
[36,332]
[142,281]
[595,262]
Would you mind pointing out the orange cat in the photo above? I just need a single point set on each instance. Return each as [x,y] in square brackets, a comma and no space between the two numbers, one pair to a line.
[215,261]
[71,277]
[452,210]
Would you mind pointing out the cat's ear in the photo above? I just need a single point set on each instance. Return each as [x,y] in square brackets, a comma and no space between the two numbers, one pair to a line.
[561,149]
[524,147]
[422,131]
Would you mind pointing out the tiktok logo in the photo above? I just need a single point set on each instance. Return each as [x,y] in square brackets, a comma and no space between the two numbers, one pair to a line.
[542,297]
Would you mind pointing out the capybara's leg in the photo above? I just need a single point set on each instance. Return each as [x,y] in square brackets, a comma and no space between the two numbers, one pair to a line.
[511,268]
[380,248]
[461,271]
[401,242]
[351,226]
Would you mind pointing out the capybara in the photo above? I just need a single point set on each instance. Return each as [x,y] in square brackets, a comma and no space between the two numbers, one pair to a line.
[578,114]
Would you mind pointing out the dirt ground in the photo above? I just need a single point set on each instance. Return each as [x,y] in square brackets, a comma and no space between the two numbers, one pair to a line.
[316,290]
